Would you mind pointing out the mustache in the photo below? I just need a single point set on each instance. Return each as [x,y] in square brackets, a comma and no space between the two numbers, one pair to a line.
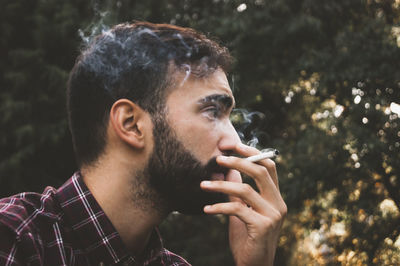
[213,167]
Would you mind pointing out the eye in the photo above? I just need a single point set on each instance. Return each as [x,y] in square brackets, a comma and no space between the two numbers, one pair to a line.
[213,110]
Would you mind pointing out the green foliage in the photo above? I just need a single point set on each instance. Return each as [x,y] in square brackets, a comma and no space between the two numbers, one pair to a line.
[324,74]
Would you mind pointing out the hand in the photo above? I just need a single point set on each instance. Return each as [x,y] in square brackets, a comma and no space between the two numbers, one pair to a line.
[255,218]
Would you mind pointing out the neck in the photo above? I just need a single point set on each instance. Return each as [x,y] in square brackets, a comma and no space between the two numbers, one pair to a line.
[126,200]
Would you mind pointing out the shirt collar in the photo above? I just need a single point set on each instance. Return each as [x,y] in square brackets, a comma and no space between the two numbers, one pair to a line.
[96,234]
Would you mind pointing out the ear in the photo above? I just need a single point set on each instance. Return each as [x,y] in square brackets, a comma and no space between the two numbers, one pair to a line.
[128,121]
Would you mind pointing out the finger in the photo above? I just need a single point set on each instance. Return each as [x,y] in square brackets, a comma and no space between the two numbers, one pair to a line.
[234,176]
[240,210]
[239,190]
[259,173]
[271,167]
[247,151]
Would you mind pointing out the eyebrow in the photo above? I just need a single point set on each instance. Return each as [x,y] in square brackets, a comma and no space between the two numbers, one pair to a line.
[222,99]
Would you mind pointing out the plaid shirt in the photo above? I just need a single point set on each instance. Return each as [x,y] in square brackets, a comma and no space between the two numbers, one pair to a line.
[67,227]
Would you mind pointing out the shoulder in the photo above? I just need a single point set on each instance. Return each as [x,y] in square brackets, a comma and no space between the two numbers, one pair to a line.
[15,248]
[24,211]
[8,246]
[170,258]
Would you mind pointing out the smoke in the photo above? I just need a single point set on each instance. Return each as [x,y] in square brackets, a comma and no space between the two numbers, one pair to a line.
[233,83]
[128,53]
[189,49]
[188,71]
[246,124]
[98,24]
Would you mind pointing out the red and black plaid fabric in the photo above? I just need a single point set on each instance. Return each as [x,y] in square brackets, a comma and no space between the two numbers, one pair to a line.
[68,227]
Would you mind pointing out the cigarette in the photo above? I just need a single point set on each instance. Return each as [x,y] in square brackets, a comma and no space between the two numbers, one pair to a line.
[271,153]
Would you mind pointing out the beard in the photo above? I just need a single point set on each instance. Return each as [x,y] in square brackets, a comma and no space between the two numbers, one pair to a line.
[174,174]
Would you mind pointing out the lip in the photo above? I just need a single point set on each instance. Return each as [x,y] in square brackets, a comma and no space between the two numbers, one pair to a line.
[218,176]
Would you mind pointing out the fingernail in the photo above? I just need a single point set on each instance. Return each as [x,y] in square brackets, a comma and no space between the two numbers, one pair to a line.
[222,158]
[206,183]
[207,207]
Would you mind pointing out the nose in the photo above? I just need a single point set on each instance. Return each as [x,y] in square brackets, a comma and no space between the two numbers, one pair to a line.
[229,138]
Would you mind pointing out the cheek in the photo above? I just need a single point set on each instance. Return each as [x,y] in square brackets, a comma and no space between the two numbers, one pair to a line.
[200,138]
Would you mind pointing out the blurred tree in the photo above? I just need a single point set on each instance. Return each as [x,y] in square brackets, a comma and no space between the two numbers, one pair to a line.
[38,47]
[325,74]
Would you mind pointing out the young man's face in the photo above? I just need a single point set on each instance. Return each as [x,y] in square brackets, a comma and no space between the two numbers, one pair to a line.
[195,129]
[198,112]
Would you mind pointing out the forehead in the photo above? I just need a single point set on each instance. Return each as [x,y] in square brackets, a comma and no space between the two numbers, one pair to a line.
[189,88]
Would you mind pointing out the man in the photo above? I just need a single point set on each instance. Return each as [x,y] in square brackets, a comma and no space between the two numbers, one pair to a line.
[148,108]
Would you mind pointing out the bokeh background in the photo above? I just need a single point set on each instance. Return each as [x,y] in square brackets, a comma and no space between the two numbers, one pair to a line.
[325,75]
